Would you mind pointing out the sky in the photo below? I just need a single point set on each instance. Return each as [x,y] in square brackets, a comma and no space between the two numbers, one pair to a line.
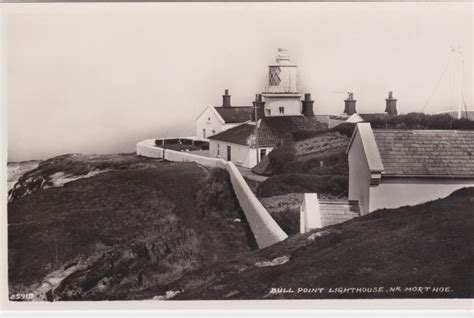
[98,78]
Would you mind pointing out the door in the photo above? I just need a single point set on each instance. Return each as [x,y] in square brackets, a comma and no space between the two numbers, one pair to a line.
[228,153]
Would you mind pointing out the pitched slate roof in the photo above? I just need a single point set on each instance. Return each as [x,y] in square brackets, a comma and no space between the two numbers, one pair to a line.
[447,153]
[235,114]
[236,135]
[270,132]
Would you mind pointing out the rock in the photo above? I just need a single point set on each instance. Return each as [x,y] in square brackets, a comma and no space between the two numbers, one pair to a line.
[169,294]
[232,293]
[275,262]
[313,236]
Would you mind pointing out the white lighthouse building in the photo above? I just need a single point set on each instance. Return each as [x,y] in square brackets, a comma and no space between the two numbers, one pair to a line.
[281,96]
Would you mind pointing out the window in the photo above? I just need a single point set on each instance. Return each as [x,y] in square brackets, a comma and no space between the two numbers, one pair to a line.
[213,132]
[228,153]
[208,118]
[268,112]
[263,153]
[218,150]
[204,133]
[282,110]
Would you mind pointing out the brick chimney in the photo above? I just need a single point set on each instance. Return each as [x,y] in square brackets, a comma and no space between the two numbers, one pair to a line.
[226,99]
[307,106]
[391,103]
[350,104]
[259,104]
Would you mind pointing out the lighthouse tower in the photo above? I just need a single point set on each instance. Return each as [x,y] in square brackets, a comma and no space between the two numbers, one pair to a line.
[281,96]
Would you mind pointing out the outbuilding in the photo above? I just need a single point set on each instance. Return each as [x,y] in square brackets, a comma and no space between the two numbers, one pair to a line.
[394,168]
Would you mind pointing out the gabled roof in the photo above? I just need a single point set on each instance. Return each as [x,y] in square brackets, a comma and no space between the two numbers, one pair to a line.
[235,114]
[245,134]
[447,153]
[270,131]
[237,135]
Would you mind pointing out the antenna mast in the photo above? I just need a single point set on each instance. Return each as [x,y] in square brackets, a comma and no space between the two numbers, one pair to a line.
[460,59]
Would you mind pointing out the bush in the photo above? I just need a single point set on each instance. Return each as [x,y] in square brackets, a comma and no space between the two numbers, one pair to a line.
[335,185]
[288,220]
[216,196]
[158,142]
[345,129]
[280,156]
[336,164]
[186,141]
[172,141]
[204,145]
[422,121]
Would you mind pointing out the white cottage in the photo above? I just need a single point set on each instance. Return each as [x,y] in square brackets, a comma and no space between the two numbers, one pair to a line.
[394,168]
[214,120]
[247,144]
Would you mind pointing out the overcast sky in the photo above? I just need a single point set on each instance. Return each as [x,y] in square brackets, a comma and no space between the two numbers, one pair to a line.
[97,78]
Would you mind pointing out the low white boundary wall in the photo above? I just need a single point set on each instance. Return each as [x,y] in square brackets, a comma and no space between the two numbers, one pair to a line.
[147,148]
[264,228]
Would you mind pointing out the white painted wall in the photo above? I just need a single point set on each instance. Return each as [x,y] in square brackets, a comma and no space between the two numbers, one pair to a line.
[359,175]
[310,214]
[292,105]
[242,156]
[148,149]
[397,192]
[210,121]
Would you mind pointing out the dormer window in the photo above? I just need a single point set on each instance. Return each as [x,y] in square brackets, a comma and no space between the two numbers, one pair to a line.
[268,112]
[282,110]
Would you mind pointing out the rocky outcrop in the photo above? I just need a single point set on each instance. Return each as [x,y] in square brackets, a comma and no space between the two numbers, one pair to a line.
[58,171]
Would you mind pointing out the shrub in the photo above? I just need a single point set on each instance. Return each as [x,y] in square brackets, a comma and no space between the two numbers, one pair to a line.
[345,129]
[280,156]
[336,185]
[204,145]
[422,121]
[335,164]
[288,220]
[216,196]
[185,141]
[172,141]
[158,142]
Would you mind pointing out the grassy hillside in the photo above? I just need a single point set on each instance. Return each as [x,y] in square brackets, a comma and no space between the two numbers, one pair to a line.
[422,246]
[114,235]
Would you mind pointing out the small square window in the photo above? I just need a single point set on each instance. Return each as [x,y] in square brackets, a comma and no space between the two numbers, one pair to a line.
[268,111]
[282,110]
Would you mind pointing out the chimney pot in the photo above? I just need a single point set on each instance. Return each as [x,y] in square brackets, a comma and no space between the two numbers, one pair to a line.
[350,104]
[259,104]
[226,99]
[308,106]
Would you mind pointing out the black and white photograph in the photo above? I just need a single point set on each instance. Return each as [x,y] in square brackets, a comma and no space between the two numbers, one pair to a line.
[236,151]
